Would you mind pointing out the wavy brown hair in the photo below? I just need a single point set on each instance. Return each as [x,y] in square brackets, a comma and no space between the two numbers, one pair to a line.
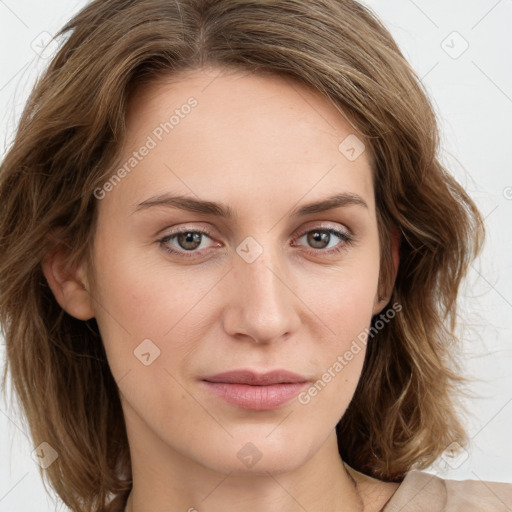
[404,411]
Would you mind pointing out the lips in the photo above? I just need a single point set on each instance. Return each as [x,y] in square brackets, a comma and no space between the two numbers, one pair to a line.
[246,389]
[256,379]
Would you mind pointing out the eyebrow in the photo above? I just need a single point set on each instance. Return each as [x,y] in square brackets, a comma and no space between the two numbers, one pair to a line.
[223,211]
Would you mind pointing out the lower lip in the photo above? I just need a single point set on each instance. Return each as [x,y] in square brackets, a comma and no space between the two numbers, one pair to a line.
[256,398]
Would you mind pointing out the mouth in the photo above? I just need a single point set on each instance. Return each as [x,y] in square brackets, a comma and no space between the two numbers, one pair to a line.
[247,389]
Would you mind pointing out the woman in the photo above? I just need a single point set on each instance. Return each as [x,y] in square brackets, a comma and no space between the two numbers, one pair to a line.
[230,261]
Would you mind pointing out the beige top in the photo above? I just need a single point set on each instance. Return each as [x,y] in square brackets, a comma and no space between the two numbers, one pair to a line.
[423,492]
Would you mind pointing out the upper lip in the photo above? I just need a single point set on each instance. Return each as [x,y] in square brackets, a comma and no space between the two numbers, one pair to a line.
[256,379]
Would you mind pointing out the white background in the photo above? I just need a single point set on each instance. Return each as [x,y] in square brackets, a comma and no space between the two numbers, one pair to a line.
[472,94]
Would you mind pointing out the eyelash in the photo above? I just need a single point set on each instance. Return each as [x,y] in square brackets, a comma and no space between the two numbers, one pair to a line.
[345,237]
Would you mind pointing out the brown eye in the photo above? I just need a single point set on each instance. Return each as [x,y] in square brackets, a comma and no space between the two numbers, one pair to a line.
[189,240]
[323,240]
[185,243]
[318,239]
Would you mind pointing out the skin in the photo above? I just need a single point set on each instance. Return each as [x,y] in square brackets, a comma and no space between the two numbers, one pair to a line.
[262,146]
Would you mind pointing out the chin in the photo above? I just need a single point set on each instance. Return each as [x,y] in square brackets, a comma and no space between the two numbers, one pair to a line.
[257,454]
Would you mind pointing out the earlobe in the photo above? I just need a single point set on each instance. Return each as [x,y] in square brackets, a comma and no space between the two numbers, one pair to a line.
[380,302]
[69,285]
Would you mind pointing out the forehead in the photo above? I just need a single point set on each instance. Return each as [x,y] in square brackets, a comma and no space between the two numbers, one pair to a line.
[221,131]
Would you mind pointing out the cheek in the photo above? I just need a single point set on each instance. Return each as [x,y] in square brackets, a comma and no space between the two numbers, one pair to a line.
[138,299]
[347,310]
[350,309]
[347,301]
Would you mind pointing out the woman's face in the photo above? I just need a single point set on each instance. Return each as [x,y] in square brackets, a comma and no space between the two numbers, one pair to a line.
[242,272]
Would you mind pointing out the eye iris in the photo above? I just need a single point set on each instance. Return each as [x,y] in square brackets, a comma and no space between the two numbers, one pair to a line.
[189,237]
[319,237]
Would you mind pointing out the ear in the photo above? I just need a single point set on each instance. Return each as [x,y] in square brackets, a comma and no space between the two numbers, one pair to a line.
[69,284]
[380,302]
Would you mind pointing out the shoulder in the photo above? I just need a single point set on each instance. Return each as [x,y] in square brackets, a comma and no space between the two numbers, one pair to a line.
[424,492]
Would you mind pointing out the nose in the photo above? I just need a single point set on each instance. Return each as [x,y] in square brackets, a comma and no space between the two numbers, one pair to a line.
[261,304]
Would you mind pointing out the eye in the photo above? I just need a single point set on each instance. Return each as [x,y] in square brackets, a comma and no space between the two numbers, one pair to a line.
[320,239]
[189,242]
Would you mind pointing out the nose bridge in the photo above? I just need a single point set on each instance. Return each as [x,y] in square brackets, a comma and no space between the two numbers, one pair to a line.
[264,300]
